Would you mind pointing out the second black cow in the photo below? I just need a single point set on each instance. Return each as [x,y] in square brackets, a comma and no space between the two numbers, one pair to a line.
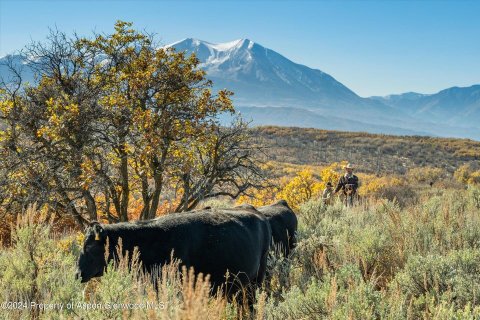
[283,223]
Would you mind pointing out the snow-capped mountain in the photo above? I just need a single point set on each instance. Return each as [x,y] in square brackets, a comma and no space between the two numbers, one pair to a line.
[261,77]
[270,89]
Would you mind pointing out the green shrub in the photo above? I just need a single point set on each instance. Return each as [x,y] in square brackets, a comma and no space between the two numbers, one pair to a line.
[35,270]
[451,278]
[340,296]
[367,237]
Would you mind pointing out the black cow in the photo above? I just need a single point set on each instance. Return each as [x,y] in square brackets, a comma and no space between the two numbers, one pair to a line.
[283,223]
[212,242]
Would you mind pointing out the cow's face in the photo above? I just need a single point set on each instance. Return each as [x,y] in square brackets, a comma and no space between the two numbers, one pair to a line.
[91,262]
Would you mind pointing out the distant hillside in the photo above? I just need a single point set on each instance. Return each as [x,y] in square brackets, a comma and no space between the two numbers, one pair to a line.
[297,117]
[452,106]
[369,152]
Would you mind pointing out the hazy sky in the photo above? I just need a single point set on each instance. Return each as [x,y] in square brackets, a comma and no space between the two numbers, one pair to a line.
[373,47]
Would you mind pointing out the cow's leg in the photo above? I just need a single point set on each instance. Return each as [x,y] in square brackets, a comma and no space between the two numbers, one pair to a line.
[262,275]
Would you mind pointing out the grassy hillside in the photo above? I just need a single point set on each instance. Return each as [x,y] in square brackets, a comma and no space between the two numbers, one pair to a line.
[372,153]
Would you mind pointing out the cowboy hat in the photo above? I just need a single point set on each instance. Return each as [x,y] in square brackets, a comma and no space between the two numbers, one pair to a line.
[349,166]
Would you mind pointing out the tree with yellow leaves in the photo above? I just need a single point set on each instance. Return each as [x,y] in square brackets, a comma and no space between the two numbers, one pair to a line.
[300,189]
[296,190]
[468,173]
[115,117]
[155,101]
[425,174]
[332,173]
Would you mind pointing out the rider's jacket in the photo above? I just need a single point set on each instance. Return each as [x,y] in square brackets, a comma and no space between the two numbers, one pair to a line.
[346,182]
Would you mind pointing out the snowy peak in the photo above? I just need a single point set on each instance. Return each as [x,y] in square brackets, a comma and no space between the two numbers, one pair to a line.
[212,55]
[259,75]
[189,43]
[239,44]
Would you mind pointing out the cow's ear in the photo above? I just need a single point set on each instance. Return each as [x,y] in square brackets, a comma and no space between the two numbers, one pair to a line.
[93,223]
[97,230]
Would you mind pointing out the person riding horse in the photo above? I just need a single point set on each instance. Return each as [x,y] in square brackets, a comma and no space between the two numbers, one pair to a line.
[348,183]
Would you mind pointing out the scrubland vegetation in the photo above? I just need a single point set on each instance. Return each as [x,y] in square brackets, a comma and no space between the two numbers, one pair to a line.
[376,260]
[372,153]
[299,183]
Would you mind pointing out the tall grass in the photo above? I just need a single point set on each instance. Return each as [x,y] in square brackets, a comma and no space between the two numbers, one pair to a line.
[40,269]
[421,261]
[377,260]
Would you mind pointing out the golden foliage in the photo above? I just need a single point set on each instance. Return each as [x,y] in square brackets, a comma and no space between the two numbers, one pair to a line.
[297,184]
[259,197]
[67,243]
[300,189]
[372,185]
[296,190]
[425,174]
[467,174]
[332,173]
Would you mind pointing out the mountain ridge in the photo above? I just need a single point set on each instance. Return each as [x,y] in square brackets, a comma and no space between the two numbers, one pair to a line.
[261,77]
[464,101]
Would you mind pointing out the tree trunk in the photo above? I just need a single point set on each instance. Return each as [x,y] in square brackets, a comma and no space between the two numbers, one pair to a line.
[145,195]
[157,166]
[69,205]
[158,180]
[91,205]
[123,214]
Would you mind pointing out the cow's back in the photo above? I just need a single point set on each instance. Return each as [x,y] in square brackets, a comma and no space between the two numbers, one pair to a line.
[211,241]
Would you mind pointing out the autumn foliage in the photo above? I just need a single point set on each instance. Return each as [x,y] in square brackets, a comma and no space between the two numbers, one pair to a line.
[468,174]
[299,184]
[116,122]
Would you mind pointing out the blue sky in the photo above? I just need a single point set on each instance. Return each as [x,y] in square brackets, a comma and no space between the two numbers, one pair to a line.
[373,47]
